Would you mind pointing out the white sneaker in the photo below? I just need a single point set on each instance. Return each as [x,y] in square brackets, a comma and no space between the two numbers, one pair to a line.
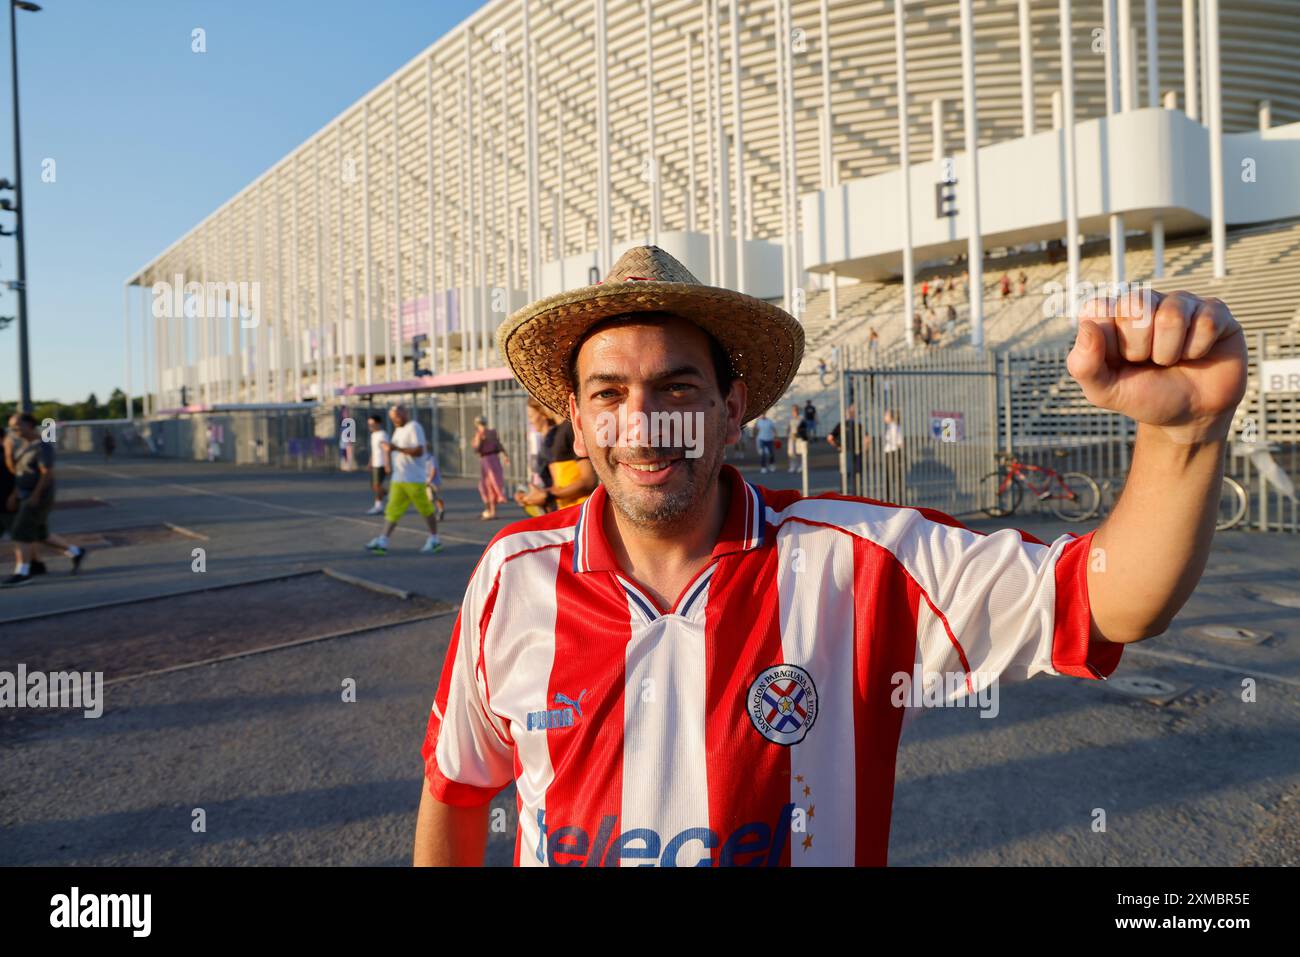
[376,509]
[378,546]
[430,546]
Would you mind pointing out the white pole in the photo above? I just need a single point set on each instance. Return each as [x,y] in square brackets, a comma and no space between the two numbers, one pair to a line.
[715,278]
[1214,79]
[482,219]
[399,349]
[652,142]
[904,166]
[1026,72]
[1118,26]
[444,230]
[318,222]
[1153,56]
[431,284]
[534,191]
[936,129]
[126,319]
[737,115]
[340,324]
[828,120]
[1071,181]
[690,132]
[1191,86]
[724,179]
[970,120]
[366,312]
[511,262]
[1205,64]
[786,283]
[561,229]
[796,252]
[1153,101]
[468,309]
[603,222]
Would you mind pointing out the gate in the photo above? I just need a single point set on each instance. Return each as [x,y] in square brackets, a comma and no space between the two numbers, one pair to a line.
[923,431]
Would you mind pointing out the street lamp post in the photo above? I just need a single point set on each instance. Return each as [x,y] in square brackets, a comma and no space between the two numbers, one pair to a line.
[24,365]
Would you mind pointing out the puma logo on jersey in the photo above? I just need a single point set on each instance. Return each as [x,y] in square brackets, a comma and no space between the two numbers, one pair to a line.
[557,717]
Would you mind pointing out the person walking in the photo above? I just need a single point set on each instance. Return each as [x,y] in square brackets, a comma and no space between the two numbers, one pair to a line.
[31,460]
[892,447]
[844,439]
[492,479]
[810,416]
[794,436]
[379,464]
[406,455]
[110,445]
[765,432]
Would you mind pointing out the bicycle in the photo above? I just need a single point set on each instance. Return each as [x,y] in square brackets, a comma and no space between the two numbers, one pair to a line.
[1072,496]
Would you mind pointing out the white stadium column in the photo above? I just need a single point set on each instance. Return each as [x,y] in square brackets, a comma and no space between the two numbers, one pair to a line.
[1153,101]
[1071,175]
[904,166]
[970,120]
[737,117]
[1120,74]
[690,133]
[652,143]
[936,130]
[1026,70]
[1191,85]
[827,117]
[366,313]
[604,224]
[1214,77]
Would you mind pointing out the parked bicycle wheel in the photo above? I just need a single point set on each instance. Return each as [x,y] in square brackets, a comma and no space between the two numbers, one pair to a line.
[1232,504]
[1076,497]
[1001,492]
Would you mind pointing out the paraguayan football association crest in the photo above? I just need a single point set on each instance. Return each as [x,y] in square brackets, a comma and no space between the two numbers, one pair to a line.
[782,703]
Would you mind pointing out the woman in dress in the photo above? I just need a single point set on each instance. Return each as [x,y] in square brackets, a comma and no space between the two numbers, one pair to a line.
[491,479]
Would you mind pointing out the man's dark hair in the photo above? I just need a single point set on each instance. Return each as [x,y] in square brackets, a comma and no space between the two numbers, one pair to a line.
[376,417]
[28,419]
[722,368]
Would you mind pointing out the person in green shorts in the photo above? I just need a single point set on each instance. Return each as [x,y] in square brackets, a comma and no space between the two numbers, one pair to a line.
[406,451]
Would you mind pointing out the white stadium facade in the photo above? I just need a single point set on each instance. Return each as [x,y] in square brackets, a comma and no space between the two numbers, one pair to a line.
[761,142]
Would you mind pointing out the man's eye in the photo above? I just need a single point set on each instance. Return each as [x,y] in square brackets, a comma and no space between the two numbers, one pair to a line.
[604,394]
[680,387]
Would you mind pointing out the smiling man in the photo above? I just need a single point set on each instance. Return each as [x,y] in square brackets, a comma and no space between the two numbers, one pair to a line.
[691,670]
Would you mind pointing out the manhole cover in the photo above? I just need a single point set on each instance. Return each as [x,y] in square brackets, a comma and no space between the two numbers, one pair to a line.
[1145,687]
[137,637]
[1246,636]
[1278,596]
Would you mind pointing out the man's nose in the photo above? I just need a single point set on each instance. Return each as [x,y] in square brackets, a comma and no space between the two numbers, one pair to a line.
[646,400]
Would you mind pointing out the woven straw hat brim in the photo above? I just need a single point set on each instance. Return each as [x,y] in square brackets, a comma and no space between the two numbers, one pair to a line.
[765,342]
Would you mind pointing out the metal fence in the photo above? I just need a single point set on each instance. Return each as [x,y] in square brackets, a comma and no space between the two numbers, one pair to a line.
[956,408]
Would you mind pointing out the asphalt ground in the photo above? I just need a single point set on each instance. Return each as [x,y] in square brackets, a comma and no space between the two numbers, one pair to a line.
[266,745]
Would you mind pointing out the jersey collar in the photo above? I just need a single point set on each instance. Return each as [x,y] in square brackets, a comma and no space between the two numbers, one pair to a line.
[744,528]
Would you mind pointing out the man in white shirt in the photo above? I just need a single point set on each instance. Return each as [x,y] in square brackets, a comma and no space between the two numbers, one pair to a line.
[765,432]
[406,451]
[378,460]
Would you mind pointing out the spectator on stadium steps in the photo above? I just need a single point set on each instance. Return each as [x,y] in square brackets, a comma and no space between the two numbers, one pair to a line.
[873,343]
[925,294]
[1022,283]
[1004,286]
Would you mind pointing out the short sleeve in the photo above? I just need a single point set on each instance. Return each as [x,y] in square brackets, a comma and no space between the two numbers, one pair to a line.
[999,606]
[468,756]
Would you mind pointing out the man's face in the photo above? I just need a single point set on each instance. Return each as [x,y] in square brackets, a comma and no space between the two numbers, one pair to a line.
[373,426]
[398,415]
[663,370]
[21,428]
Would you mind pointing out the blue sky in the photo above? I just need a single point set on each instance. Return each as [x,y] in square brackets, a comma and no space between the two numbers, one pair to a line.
[149,137]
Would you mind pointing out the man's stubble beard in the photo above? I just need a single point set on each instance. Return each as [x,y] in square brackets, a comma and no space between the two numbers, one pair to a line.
[659,509]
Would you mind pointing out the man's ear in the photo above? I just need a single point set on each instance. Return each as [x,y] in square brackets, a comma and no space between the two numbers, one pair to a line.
[736,401]
[579,444]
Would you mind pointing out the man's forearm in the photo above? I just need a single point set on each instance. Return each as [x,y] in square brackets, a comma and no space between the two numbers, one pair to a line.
[1149,554]
[449,836]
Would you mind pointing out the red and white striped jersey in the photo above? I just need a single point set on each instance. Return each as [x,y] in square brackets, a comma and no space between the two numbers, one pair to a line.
[757,721]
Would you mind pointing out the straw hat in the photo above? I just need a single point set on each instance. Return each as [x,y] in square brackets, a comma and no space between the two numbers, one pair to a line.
[764,342]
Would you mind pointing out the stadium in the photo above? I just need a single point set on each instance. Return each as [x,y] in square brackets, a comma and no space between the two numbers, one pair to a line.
[762,144]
